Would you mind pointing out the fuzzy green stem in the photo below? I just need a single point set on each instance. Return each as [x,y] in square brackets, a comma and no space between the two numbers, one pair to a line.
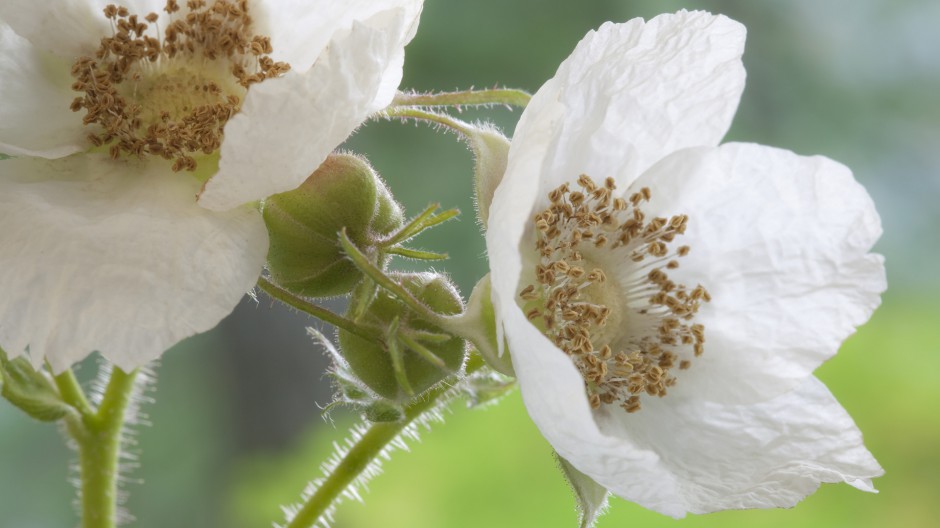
[288,298]
[72,393]
[507,96]
[432,117]
[365,451]
[99,448]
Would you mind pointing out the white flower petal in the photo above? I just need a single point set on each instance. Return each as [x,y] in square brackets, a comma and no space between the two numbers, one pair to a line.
[767,455]
[35,119]
[296,120]
[301,29]
[68,28]
[518,193]
[782,243]
[115,257]
[632,93]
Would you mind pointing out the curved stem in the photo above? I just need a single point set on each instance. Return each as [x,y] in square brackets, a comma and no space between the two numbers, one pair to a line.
[432,117]
[99,448]
[288,298]
[507,96]
[360,455]
[72,393]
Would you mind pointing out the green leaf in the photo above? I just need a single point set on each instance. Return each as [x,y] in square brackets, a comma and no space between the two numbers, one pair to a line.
[591,496]
[32,392]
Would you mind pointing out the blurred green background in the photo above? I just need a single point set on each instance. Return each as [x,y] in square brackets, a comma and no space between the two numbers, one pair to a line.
[236,425]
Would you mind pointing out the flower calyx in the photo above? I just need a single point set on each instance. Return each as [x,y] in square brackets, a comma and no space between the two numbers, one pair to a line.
[414,354]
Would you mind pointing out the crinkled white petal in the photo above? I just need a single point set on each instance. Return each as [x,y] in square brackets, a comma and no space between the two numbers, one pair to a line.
[287,126]
[35,119]
[782,242]
[766,455]
[300,30]
[632,93]
[115,257]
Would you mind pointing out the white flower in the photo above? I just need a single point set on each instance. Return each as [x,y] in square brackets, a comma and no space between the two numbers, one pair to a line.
[665,312]
[116,255]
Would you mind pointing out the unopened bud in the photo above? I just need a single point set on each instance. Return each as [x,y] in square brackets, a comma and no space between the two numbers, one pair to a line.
[303,224]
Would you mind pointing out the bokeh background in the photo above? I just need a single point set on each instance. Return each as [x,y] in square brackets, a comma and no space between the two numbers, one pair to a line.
[237,429]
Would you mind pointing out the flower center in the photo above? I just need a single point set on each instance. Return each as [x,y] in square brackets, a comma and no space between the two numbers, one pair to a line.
[170,94]
[602,292]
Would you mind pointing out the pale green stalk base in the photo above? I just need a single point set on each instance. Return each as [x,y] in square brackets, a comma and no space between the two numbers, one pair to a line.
[98,436]
[505,96]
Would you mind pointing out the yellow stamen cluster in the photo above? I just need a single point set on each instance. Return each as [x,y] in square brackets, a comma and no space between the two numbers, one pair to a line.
[166,94]
[576,303]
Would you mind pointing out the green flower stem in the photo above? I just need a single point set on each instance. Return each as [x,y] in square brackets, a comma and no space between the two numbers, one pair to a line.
[319,312]
[72,393]
[505,96]
[366,450]
[99,448]
[432,117]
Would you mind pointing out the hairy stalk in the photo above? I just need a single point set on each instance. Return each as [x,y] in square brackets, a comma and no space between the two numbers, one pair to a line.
[288,298]
[72,393]
[492,96]
[435,118]
[98,436]
[362,459]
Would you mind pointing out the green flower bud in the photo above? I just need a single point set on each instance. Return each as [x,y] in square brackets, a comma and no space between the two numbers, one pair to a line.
[427,354]
[305,256]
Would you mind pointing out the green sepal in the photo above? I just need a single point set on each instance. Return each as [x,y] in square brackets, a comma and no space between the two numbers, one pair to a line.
[590,496]
[480,309]
[304,256]
[374,365]
[486,387]
[490,156]
[31,391]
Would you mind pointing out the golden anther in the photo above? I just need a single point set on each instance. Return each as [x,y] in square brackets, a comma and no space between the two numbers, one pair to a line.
[586,182]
